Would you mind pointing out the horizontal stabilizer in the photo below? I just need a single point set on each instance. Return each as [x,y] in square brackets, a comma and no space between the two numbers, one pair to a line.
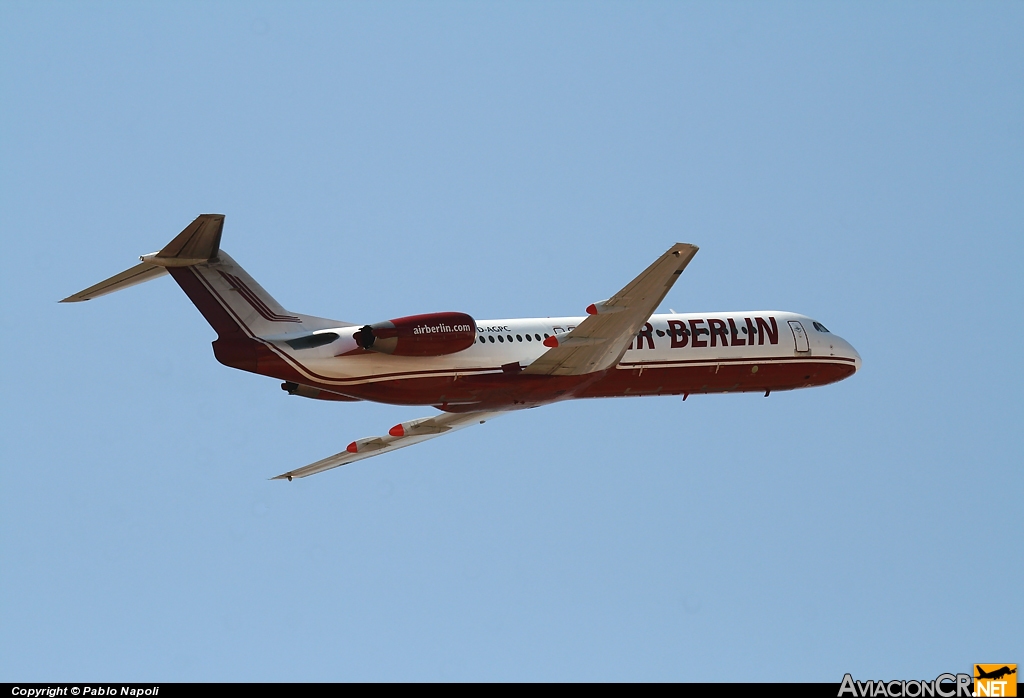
[135,275]
[197,244]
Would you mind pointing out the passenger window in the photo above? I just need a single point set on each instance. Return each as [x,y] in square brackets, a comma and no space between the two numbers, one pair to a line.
[519,337]
[538,336]
[501,339]
[510,339]
[659,333]
[546,335]
[529,338]
[491,338]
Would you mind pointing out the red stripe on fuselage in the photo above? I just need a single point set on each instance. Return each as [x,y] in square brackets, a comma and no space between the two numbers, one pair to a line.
[741,359]
[783,373]
[512,390]
[254,300]
[221,319]
[235,345]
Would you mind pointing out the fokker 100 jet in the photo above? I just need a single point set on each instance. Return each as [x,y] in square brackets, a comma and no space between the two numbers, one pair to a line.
[473,370]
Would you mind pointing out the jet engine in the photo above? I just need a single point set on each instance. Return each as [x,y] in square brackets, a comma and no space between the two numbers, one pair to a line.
[433,334]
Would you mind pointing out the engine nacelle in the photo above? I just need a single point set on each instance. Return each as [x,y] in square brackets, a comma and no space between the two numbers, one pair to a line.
[433,334]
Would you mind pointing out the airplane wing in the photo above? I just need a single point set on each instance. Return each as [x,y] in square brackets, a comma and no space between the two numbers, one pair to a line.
[400,436]
[601,340]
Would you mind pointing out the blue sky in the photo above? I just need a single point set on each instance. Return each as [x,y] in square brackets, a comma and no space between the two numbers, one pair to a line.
[857,162]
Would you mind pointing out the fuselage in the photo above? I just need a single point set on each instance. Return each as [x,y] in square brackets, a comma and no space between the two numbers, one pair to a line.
[674,354]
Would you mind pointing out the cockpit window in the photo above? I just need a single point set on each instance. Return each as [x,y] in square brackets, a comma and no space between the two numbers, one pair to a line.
[818,326]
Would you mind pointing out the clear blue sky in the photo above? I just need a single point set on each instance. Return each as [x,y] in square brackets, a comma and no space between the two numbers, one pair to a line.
[859,162]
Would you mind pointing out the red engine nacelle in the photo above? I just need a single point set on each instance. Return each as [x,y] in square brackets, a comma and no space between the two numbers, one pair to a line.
[434,334]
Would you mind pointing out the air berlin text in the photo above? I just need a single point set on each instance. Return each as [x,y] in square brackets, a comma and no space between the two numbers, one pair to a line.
[438,329]
[712,332]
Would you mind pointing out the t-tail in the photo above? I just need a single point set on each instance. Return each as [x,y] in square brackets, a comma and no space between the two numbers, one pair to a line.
[237,307]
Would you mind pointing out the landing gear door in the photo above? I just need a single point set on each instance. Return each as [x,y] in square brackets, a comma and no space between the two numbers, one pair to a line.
[799,336]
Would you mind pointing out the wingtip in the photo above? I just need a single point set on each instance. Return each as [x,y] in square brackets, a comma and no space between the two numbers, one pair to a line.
[285,476]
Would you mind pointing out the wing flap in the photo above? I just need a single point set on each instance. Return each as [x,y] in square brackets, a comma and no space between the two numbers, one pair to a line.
[400,436]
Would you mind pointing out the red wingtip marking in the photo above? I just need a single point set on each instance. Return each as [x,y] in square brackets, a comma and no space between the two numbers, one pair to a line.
[551,342]
[352,448]
[397,430]
[591,309]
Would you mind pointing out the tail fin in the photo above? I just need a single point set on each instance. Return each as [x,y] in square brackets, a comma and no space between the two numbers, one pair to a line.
[197,243]
[232,301]
[237,307]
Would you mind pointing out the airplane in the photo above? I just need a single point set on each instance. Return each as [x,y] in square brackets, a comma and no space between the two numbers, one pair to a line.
[995,674]
[475,370]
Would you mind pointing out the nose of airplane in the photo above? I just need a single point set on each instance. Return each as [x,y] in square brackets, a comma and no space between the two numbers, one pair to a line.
[846,349]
